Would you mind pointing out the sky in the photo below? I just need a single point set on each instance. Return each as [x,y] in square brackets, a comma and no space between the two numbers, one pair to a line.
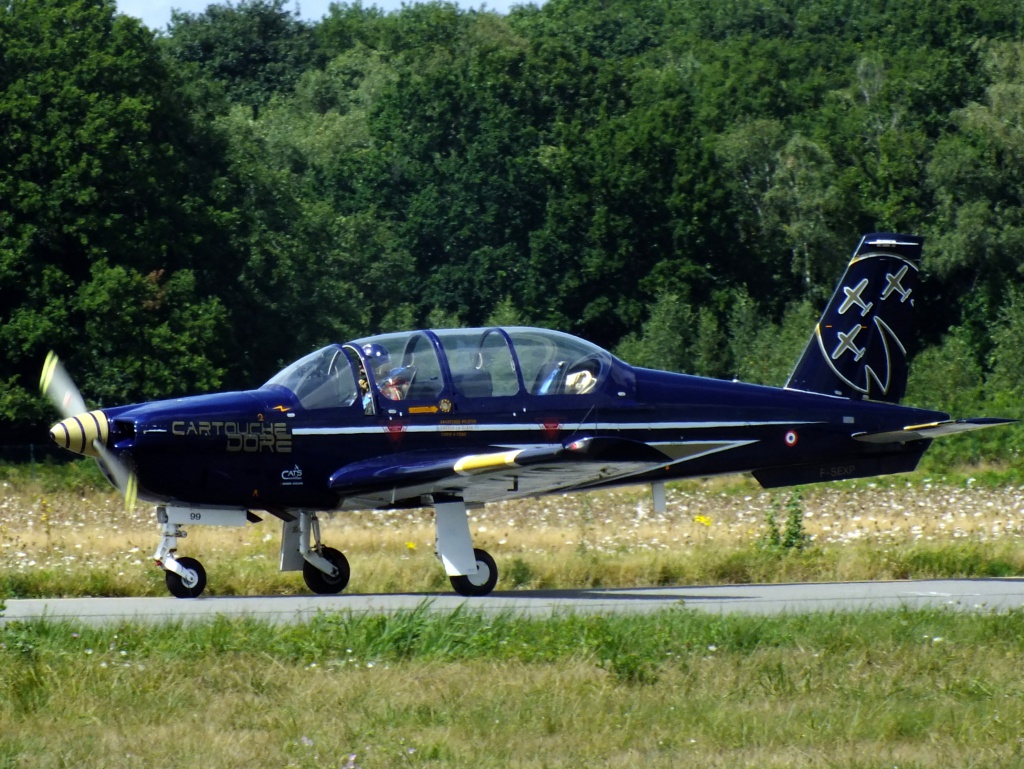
[156,14]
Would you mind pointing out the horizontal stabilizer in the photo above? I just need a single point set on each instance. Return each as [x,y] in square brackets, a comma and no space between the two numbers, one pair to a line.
[931,430]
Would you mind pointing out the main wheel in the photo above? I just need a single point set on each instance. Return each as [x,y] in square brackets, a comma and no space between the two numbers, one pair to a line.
[193,583]
[322,584]
[483,581]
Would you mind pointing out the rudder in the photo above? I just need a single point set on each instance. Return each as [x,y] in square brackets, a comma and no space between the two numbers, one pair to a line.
[857,349]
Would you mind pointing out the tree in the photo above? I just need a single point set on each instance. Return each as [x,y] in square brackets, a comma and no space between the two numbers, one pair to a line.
[805,201]
[978,181]
[95,169]
[254,49]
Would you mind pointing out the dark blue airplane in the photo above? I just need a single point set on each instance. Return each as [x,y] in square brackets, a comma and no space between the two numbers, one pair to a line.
[455,418]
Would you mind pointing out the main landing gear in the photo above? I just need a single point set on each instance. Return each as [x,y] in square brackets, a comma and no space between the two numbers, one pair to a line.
[471,571]
[324,569]
[482,582]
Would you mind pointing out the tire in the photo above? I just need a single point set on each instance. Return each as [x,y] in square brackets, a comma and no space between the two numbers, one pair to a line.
[322,584]
[181,588]
[481,583]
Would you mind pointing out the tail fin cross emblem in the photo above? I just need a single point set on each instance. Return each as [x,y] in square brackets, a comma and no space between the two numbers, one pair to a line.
[846,342]
[853,297]
[895,283]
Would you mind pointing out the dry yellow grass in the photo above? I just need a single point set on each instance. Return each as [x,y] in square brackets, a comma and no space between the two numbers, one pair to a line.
[609,538]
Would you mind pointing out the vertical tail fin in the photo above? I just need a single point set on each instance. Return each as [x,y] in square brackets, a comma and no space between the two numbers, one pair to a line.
[857,350]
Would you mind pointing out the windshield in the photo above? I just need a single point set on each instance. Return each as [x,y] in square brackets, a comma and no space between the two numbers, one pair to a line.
[323,379]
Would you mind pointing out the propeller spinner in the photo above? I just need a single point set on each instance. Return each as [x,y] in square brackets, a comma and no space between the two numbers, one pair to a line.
[81,431]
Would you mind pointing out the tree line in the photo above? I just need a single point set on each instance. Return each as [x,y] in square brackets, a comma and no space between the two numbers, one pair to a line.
[681,181]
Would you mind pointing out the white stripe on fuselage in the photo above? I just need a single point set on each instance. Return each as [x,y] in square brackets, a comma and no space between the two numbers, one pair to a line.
[536,427]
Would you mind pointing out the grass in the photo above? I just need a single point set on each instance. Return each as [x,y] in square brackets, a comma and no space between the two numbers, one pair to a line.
[917,689]
[847,691]
[63,533]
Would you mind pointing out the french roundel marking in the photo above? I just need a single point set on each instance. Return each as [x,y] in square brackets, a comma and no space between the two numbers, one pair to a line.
[792,438]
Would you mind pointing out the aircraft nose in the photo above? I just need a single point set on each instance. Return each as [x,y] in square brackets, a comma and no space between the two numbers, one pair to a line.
[77,433]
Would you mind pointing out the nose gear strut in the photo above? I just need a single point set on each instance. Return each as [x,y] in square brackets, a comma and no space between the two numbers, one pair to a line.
[184,577]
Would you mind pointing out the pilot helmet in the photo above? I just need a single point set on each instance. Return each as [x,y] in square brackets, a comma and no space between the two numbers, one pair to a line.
[377,355]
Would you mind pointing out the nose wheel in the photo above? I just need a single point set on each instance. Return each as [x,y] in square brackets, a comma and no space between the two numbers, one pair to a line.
[185,577]
[189,582]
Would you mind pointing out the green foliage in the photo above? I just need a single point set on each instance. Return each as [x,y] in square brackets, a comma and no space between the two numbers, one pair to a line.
[79,476]
[848,690]
[792,536]
[650,640]
[680,181]
[147,333]
[663,340]
[97,190]
[963,561]
[519,573]
[504,314]
[253,49]
[1006,358]
[948,375]
[765,352]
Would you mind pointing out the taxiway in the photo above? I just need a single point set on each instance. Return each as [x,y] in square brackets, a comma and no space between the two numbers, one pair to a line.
[961,595]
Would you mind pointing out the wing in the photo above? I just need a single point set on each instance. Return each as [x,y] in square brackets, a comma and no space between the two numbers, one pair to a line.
[492,474]
[930,430]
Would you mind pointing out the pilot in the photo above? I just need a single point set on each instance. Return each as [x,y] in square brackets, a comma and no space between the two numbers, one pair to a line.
[580,382]
[393,383]
[397,384]
[377,356]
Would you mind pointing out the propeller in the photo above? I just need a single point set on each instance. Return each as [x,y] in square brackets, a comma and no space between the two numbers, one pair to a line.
[84,432]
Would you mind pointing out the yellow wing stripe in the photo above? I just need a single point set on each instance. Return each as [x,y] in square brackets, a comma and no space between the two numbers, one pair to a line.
[926,426]
[479,463]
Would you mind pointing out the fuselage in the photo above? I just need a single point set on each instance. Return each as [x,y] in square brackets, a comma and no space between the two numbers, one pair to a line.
[266,449]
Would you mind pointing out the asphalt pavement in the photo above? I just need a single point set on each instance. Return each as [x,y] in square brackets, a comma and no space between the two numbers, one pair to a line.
[961,595]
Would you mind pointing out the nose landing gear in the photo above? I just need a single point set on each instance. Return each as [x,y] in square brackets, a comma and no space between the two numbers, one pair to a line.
[186,577]
[188,581]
